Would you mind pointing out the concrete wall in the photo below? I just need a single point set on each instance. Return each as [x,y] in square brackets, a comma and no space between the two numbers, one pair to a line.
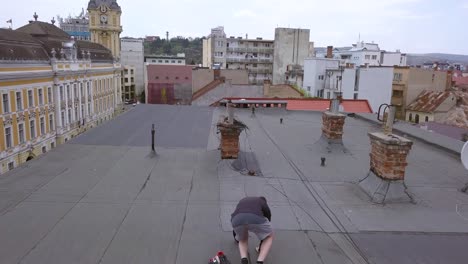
[132,54]
[393,59]
[422,79]
[411,117]
[313,68]
[207,53]
[237,77]
[183,93]
[228,90]
[291,47]
[280,91]
[202,77]
[375,85]
[348,83]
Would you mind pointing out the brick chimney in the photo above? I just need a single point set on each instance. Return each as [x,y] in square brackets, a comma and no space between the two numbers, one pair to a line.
[330,52]
[230,131]
[388,161]
[332,126]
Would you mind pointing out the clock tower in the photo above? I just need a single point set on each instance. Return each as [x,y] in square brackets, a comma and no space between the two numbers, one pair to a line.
[104,24]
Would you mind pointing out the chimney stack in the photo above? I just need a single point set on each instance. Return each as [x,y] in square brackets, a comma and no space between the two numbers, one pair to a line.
[385,182]
[330,52]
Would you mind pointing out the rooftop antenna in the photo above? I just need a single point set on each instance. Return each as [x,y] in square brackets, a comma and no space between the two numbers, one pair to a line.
[359,39]
[10,22]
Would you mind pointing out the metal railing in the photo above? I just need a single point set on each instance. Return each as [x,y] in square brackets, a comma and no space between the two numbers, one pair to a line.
[254,50]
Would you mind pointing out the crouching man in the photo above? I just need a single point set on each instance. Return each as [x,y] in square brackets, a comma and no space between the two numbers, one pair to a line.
[252,214]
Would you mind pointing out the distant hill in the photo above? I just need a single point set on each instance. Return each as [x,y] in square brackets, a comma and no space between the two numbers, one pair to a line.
[418,59]
[192,48]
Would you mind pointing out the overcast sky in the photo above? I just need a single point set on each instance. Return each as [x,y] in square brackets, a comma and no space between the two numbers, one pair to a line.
[414,26]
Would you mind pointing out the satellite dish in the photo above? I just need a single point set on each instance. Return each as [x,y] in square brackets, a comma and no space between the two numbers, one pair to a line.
[464,155]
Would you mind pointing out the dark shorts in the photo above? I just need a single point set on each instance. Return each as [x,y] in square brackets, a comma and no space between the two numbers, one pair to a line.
[245,222]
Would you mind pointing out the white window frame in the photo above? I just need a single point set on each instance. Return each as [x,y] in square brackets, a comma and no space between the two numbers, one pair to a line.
[6,106]
[19,134]
[19,107]
[40,96]
[32,129]
[51,122]
[42,125]
[50,96]
[31,100]
[11,137]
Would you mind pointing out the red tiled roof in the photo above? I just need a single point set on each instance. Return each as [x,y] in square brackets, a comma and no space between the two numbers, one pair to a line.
[169,74]
[349,106]
[428,101]
[460,80]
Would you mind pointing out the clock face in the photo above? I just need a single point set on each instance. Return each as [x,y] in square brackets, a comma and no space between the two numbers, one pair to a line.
[104,19]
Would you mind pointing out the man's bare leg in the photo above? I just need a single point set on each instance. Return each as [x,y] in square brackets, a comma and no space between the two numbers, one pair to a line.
[266,246]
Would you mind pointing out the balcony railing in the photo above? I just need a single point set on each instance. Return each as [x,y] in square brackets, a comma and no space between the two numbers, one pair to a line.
[253,50]
[250,60]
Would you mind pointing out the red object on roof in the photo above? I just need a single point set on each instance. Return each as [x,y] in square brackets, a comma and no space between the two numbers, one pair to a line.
[460,81]
[349,106]
[169,74]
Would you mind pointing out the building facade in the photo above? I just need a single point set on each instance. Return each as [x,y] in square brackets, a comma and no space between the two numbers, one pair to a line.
[430,106]
[77,27]
[315,75]
[104,24]
[362,54]
[408,83]
[291,47]
[178,59]
[132,58]
[253,55]
[53,88]
[258,56]
[168,84]
[128,84]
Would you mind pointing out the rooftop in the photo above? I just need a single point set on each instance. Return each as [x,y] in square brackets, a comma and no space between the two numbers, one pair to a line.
[102,198]
[428,101]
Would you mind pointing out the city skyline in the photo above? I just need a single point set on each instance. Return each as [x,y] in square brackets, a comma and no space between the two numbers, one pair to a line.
[413,26]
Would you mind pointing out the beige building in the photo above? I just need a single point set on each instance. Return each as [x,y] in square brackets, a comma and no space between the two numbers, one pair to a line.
[53,88]
[129,84]
[409,83]
[104,24]
[430,106]
[253,55]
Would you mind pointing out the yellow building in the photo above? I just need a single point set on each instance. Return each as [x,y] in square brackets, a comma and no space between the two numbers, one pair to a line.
[430,106]
[52,88]
[104,24]
[409,83]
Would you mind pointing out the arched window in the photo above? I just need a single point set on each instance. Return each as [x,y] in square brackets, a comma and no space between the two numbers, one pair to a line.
[417,119]
[411,117]
[427,119]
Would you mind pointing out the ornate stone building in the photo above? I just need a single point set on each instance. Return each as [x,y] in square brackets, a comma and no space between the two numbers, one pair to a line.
[52,89]
[104,24]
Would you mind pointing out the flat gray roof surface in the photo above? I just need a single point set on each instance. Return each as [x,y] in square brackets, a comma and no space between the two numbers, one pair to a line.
[103,198]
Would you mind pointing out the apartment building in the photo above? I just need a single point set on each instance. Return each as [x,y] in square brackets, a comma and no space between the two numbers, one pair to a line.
[162,59]
[362,54]
[132,57]
[264,59]
[408,83]
[128,84]
[52,88]
[253,55]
